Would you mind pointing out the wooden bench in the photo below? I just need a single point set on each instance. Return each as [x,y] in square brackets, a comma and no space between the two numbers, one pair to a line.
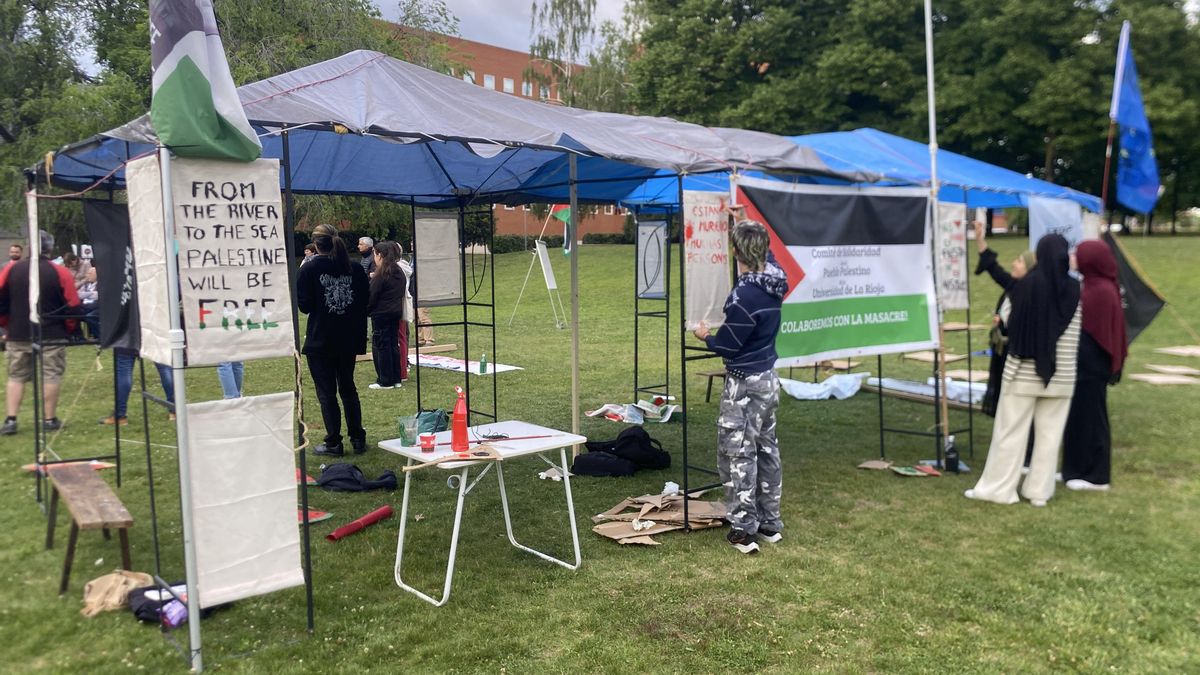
[711,375]
[93,506]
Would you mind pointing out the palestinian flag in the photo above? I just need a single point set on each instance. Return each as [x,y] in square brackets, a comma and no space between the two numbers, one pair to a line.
[195,108]
[562,213]
[859,267]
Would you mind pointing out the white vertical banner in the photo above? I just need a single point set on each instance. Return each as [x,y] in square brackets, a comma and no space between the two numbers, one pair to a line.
[653,247]
[233,278]
[35,243]
[243,480]
[439,275]
[1054,216]
[706,257]
[547,271]
[1093,225]
[950,252]
[233,264]
[144,189]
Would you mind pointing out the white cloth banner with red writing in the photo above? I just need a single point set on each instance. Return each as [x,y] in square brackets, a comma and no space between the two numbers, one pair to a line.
[706,257]
[950,244]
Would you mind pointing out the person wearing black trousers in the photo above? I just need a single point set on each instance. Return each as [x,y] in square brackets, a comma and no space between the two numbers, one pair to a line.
[1103,346]
[333,292]
[386,308]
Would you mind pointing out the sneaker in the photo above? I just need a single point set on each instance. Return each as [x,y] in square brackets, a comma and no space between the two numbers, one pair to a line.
[769,536]
[9,428]
[743,542]
[376,385]
[112,420]
[171,416]
[52,424]
[329,450]
[359,445]
[1037,502]
[1081,484]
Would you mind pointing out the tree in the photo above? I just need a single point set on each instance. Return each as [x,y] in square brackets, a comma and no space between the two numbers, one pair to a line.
[561,31]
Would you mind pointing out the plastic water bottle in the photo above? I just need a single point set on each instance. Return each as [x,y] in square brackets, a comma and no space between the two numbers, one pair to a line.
[483,364]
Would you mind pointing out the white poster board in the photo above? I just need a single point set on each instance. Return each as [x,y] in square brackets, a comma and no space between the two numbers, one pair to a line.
[438,253]
[950,252]
[233,263]
[706,257]
[1055,216]
[547,271]
[653,248]
[243,493]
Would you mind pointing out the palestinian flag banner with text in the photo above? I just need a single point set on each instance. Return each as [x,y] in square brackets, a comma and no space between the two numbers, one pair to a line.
[195,108]
[859,267]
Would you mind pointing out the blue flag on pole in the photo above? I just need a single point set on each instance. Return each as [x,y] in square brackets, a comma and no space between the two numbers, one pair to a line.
[1137,172]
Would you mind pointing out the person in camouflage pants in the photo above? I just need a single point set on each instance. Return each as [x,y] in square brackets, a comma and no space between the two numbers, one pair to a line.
[747,451]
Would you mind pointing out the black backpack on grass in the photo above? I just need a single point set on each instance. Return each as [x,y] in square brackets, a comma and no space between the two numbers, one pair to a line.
[634,445]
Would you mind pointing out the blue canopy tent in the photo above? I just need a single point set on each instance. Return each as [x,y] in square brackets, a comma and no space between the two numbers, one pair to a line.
[887,160]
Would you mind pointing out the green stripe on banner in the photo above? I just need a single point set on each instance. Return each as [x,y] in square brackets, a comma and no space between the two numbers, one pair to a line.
[851,323]
[186,119]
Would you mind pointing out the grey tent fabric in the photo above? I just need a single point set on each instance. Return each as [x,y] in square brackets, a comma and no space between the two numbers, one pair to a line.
[371,93]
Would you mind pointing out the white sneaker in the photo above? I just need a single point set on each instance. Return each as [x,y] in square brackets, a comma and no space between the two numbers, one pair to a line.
[376,385]
[1037,502]
[1080,484]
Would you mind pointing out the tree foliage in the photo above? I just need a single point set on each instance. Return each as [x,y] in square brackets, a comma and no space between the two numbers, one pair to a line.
[1025,85]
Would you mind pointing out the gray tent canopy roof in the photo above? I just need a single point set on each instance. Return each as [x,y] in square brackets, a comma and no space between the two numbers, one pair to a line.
[368,124]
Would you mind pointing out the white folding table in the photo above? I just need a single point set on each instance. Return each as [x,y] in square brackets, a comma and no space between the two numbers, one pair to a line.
[519,440]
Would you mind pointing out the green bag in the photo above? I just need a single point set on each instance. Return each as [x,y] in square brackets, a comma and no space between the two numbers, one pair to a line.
[428,422]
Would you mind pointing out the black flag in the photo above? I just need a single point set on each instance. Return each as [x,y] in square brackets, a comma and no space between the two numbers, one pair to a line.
[108,227]
[1139,299]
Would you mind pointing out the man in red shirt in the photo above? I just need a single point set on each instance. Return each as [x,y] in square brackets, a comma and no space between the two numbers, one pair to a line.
[56,300]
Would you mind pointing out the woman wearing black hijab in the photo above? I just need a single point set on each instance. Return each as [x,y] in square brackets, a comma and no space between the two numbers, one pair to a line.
[1039,379]
[1087,446]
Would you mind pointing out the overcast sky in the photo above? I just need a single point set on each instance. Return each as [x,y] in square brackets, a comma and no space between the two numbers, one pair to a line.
[504,23]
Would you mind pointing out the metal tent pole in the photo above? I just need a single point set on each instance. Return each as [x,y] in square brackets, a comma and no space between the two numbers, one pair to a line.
[942,410]
[178,344]
[573,231]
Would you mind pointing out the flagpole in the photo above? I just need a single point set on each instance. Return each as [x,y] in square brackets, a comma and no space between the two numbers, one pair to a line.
[943,408]
[178,344]
[1118,76]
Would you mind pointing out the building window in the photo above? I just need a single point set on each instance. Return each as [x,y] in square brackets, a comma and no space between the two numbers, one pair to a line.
[508,85]
[489,81]
[526,88]
[544,92]
[469,76]
[609,209]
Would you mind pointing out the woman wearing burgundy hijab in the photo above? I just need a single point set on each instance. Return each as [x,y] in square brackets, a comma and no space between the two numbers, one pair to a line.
[1087,443]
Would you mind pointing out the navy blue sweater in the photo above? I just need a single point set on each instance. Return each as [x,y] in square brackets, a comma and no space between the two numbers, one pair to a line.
[746,341]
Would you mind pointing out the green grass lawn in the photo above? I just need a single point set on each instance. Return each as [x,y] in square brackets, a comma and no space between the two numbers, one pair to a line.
[877,573]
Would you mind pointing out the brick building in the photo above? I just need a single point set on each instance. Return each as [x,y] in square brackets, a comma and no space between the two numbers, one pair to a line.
[504,70]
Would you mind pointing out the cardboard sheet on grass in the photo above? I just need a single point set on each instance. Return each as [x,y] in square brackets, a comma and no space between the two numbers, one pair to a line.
[233,265]
[457,365]
[243,485]
[637,519]
[859,267]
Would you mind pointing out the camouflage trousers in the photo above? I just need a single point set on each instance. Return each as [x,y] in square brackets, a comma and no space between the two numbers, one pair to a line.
[748,453]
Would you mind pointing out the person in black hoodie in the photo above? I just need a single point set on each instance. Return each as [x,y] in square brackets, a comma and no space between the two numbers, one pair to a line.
[747,449]
[333,292]
[386,307]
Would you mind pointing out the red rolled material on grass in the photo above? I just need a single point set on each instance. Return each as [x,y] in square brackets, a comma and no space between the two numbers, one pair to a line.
[371,518]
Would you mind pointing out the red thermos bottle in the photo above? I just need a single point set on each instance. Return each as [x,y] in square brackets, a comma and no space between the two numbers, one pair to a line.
[458,423]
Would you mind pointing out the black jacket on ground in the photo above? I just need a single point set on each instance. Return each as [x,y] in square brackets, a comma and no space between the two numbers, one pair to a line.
[335,301]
